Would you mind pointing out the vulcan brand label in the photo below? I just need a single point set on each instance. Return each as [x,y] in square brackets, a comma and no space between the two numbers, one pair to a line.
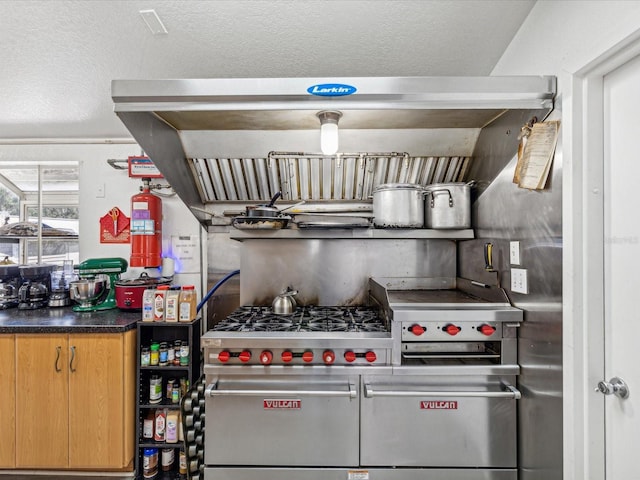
[268,404]
[438,405]
[331,90]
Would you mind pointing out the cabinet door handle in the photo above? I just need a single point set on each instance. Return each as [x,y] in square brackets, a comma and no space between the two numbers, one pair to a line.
[73,356]
[58,350]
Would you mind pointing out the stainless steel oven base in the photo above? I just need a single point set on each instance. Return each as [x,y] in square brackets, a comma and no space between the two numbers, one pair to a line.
[243,473]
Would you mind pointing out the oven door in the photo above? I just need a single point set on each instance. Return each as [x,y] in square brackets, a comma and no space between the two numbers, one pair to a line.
[438,421]
[275,421]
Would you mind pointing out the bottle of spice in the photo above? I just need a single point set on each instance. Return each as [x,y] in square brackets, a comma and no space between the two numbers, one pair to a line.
[145,357]
[172,427]
[170,384]
[184,354]
[182,465]
[164,354]
[167,459]
[150,462]
[155,389]
[188,304]
[147,304]
[171,301]
[176,347]
[160,425]
[147,425]
[154,354]
[158,303]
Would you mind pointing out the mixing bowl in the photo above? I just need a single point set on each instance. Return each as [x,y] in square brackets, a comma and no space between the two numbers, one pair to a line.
[87,290]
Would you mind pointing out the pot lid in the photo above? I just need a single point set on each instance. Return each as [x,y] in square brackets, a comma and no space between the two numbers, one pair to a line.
[435,186]
[143,280]
[398,186]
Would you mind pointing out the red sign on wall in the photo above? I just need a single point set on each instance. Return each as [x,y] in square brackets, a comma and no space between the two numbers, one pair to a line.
[114,227]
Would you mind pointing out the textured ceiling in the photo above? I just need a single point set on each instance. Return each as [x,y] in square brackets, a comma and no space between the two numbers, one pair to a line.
[59,57]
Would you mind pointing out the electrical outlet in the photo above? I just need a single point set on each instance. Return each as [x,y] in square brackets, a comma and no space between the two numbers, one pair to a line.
[514,253]
[100,190]
[519,282]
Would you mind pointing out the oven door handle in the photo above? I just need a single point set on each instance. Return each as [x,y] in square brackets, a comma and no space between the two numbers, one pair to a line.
[213,391]
[510,392]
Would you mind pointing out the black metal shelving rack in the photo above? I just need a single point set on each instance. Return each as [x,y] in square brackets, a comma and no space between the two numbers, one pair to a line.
[163,332]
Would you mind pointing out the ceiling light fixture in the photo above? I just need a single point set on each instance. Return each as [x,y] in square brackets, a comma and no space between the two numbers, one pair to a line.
[153,21]
[329,131]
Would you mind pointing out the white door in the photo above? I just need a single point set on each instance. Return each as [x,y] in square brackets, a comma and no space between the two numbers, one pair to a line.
[622,269]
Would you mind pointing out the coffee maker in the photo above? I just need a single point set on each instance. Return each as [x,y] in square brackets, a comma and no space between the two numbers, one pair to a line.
[9,286]
[36,286]
[95,289]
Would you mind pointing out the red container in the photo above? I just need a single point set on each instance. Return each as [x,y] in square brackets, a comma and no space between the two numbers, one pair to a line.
[129,292]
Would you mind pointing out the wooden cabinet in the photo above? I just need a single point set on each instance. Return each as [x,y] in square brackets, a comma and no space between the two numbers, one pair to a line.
[42,398]
[75,401]
[8,410]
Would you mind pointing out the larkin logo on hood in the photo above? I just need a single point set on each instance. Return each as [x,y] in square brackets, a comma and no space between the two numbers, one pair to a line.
[331,90]
[269,404]
[438,405]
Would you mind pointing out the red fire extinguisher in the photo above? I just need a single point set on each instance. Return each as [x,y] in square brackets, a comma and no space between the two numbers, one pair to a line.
[146,228]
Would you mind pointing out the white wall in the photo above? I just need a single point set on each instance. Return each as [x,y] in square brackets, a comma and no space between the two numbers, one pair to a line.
[118,189]
[562,38]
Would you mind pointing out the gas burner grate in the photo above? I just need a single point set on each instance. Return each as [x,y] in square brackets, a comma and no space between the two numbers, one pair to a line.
[304,319]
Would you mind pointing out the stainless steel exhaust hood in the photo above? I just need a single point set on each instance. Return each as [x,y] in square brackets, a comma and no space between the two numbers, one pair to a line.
[216,141]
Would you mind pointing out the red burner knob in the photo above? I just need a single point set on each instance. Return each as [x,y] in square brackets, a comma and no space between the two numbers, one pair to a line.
[266,357]
[349,356]
[224,356]
[451,329]
[328,356]
[245,356]
[287,356]
[417,330]
[307,356]
[370,356]
[487,329]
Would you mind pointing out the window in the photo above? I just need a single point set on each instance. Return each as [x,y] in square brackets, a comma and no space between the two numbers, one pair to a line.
[33,194]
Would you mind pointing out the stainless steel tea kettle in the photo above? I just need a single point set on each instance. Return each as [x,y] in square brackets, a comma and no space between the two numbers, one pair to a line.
[285,304]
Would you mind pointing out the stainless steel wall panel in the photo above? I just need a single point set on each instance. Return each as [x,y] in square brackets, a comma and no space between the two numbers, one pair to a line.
[503,213]
[336,272]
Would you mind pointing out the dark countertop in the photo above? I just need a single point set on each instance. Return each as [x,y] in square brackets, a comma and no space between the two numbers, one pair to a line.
[65,320]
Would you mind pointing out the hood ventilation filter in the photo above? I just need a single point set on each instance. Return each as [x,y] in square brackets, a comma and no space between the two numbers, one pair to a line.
[316,177]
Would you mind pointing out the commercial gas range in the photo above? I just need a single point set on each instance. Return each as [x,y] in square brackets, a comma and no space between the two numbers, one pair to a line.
[420,383]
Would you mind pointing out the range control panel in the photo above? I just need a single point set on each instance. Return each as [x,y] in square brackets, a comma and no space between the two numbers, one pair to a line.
[450,331]
[298,356]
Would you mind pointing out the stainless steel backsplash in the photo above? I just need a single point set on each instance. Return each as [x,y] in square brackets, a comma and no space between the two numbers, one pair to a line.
[503,213]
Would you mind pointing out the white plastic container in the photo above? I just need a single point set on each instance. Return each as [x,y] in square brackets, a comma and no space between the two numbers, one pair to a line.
[147,304]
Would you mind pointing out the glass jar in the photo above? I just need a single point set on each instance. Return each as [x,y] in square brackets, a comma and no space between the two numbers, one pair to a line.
[164,354]
[155,389]
[184,354]
[145,357]
[154,354]
[176,347]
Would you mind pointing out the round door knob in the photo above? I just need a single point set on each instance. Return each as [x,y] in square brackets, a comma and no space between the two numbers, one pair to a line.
[266,357]
[487,330]
[417,330]
[616,386]
[307,356]
[224,356]
[245,356]
[452,329]
[370,356]
[286,356]
[329,357]
[350,356]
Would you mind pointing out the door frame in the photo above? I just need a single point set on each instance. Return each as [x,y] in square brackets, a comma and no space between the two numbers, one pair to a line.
[583,329]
